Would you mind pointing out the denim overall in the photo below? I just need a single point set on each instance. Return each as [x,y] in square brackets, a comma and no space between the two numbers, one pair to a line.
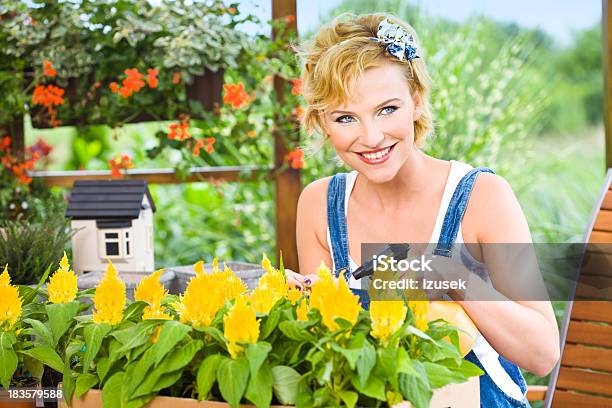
[491,395]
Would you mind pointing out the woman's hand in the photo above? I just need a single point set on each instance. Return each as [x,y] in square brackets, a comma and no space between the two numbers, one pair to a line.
[300,281]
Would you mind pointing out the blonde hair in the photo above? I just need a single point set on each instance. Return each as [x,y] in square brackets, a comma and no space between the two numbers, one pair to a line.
[338,55]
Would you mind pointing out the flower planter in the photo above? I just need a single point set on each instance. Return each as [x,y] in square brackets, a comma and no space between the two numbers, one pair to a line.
[465,395]
[7,402]
[205,89]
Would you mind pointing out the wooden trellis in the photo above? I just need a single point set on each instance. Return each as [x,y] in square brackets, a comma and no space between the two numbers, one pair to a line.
[287,182]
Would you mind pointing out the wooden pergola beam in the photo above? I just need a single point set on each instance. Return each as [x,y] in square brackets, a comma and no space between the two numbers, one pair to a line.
[606,22]
[288,182]
[155,176]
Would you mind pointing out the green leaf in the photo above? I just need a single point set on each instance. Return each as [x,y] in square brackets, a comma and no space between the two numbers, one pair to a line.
[214,333]
[233,376]
[84,383]
[365,362]
[171,333]
[270,323]
[439,376]
[111,391]
[374,388]
[47,356]
[207,374]
[175,361]
[286,381]
[102,366]
[8,361]
[256,354]
[387,363]
[134,336]
[296,330]
[68,383]
[94,335]
[348,397]
[415,387]
[259,390]
[134,310]
[60,318]
[42,332]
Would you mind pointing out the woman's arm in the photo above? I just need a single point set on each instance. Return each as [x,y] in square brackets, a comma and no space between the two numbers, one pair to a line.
[524,332]
[311,231]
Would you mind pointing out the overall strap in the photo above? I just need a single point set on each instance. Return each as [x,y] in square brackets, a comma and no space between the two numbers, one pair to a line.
[456,210]
[336,222]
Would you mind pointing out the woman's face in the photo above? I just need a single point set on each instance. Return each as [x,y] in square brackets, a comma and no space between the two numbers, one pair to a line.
[374,131]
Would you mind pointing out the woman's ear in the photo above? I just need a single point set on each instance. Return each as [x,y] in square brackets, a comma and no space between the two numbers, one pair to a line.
[417,108]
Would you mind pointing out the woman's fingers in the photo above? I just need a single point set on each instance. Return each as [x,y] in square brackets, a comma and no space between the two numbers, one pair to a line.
[310,279]
[294,279]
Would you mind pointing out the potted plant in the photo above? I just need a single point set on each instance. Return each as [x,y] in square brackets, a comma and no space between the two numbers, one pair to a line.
[216,342]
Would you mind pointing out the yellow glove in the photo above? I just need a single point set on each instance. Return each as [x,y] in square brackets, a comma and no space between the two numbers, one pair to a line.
[454,314]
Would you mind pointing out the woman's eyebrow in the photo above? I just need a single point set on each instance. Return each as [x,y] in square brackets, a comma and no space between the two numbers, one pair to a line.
[380,105]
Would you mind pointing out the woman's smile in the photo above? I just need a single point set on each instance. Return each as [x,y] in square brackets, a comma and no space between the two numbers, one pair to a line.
[377,156]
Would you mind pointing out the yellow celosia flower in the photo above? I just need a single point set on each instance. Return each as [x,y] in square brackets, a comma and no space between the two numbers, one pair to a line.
[10,303]
[266,264]
[419,311]
[272,287]
[387,317]
[64,264]
[150,290]
[231,285]
[198,268]
[155,311]
[5,278]
[109,299]
[334,300]
[294,294]
[302,311]
[201,301]
[62,286]
[216,264]
[240,325]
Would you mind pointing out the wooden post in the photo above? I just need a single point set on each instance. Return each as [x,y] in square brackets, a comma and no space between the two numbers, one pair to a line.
[606,21]
[16,131]
[288,184]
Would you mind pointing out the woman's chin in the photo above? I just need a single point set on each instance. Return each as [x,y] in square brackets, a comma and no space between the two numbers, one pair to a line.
[379,174]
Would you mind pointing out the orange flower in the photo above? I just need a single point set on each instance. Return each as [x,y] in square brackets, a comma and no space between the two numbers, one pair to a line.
[134,80]
[232,10]
[235,95]
[5,143]
[176,77]
[197,146]
[48,95]
[251,133]
[114,87]
[152,77]
[179,131]
[295,158]
[210,141]
[290,18]
[125,92]
[48,69]
[297,87]
[119,162]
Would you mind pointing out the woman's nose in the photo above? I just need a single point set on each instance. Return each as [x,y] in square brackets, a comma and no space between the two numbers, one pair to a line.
[371,135]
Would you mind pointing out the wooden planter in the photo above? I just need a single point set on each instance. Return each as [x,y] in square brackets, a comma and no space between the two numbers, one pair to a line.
[465,395]
[206,89]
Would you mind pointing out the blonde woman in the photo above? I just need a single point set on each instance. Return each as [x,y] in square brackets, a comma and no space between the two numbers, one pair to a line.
[366,88]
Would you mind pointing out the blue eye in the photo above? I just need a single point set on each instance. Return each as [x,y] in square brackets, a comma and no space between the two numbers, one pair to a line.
[387,110]
[344,119]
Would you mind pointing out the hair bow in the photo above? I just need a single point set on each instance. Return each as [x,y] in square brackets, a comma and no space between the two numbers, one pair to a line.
[399,42]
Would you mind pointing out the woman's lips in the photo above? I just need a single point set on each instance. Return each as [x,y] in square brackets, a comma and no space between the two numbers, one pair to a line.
[376,156]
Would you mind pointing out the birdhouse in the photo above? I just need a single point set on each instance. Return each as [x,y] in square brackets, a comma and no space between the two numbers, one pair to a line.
[114,220]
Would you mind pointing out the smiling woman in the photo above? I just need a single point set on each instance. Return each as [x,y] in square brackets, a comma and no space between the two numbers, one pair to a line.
[367,90]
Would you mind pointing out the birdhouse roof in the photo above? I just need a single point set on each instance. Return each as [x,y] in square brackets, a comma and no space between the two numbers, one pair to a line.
[107,199]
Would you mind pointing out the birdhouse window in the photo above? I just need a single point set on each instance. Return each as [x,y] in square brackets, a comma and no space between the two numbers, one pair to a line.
[116,243]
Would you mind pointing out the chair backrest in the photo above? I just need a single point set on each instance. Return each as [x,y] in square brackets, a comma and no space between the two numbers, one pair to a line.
[584,376]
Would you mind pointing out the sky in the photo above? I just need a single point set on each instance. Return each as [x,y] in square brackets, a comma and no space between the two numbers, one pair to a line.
[558,18]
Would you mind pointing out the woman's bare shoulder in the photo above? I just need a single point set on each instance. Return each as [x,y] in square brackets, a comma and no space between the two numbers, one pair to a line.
[312,205]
